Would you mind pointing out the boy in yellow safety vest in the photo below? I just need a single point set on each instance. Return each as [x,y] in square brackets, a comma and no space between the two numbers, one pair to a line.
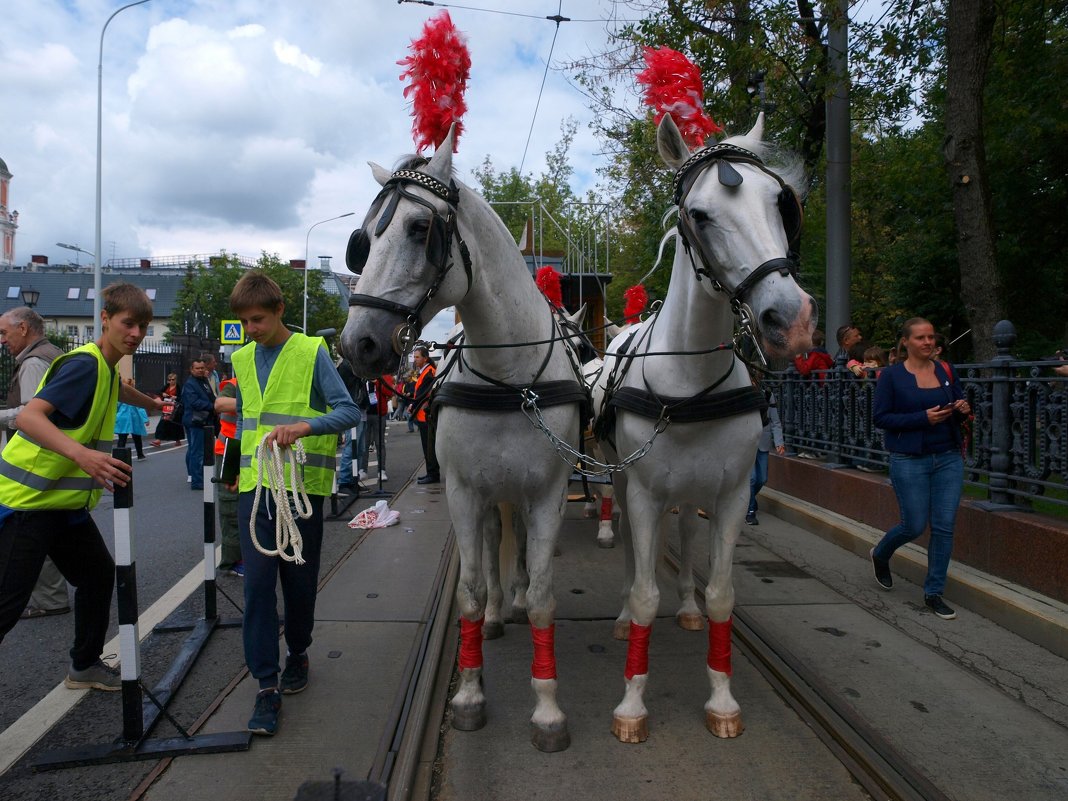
[52,473]
[287,390]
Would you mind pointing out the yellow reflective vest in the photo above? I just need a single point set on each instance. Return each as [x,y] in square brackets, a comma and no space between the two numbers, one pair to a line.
[285,400]
[34,478]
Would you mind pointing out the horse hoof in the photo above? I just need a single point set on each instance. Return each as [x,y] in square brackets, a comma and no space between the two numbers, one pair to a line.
[621,630]
[468,718]
[630,730]
[550,739]
[519,615]
[606,543]
[492,630]
[724,725]
[689,621]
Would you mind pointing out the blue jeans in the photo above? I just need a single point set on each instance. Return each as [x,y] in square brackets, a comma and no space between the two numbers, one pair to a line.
[194,455]
[344,472]
[928,490]
[363,444]
[263,574]
[757,479]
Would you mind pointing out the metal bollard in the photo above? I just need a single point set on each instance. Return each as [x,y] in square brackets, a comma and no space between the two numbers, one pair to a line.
[208,462]
[126,600]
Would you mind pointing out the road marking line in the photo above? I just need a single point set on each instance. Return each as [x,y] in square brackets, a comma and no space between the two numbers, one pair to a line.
[21,735]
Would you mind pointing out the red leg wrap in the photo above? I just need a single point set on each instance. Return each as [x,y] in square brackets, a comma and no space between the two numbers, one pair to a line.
[470,643]
[719,645]
[544,664]
[606,508]
[637,651]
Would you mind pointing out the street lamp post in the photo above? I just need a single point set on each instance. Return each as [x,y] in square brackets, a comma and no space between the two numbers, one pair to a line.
[30,296]
[75,248]
[306,239]
[99,117]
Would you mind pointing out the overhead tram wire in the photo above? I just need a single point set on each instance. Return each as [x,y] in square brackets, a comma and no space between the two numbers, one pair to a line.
[541,89]
[555,18]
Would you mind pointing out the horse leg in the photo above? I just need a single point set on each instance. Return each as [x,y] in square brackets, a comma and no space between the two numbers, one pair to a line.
[493,627]
[621,628]
[606,538]
[689,615]
[520,577]
[470,519]
[723,715]
[548,724]
[630,719]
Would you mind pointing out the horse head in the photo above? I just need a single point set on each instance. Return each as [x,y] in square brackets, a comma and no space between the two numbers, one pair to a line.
[737,220]
[404,254]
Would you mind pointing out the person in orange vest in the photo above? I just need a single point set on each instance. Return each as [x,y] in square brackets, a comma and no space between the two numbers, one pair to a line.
[425,380]
[226,407]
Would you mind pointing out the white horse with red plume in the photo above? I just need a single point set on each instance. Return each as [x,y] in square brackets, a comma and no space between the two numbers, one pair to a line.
[674,385]
[429,242]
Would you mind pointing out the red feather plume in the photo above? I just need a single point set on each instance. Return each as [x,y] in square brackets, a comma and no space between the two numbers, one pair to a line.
[635,300]
[673,86]
[548,281]
[438,68]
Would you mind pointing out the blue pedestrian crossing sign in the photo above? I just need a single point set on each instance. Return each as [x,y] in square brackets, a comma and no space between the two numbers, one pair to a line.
[233,333]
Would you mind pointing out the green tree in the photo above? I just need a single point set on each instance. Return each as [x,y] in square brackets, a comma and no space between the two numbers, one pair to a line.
[204,299]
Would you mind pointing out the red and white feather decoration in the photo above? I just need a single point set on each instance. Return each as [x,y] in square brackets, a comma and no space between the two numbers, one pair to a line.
[438,69]
[673,86]
[634,302]
[548,281]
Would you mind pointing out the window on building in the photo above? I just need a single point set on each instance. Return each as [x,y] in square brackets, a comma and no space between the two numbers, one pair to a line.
[73,292]
[90,293]
[151,331]
[72,331]
[151,293]
[14,292]
[88,333]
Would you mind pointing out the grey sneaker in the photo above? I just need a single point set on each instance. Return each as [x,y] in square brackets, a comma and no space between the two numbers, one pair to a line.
[295,676]
[97,676]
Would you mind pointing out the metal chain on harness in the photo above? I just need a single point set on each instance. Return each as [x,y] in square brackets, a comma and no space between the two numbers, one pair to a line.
[286,533]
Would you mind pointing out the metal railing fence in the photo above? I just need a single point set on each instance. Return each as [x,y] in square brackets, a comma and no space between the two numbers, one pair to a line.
[1016,448]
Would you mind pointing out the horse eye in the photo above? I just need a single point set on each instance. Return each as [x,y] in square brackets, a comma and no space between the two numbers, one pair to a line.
[698,216]
[418,228]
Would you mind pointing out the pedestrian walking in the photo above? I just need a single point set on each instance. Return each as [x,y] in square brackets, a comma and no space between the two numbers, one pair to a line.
[198,401]
[131,421]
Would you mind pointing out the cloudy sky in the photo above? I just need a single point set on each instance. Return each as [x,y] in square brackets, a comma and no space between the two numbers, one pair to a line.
[237,124]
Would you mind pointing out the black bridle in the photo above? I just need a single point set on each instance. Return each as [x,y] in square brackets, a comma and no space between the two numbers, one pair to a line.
[790,212]
[438,250]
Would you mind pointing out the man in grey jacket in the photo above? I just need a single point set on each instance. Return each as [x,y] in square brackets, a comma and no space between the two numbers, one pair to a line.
[22,332]
[771,435]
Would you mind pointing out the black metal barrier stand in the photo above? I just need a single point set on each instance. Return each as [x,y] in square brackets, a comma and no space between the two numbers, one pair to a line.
[137,721]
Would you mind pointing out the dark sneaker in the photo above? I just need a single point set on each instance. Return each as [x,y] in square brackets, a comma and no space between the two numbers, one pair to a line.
[295,676]
[98,676]
[429,478]
[882,571]
[751,519]
[939,607]
[264,718]
[237,569]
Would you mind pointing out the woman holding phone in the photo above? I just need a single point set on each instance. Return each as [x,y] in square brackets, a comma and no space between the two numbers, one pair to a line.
[919,406]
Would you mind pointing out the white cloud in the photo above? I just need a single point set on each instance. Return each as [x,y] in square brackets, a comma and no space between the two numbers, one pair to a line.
[238,124]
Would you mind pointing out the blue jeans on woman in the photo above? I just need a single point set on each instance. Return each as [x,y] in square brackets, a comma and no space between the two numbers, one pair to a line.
[757,479]
[928,489]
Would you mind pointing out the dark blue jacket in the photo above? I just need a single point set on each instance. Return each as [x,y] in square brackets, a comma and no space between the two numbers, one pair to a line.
[900,408]
[199,403]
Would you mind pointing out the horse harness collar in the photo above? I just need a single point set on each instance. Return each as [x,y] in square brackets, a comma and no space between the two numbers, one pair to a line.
[438,251]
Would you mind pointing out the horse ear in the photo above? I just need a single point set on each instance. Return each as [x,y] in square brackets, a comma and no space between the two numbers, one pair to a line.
[440,165]
[577,317]
[670,144]
[380,173]
[757,131]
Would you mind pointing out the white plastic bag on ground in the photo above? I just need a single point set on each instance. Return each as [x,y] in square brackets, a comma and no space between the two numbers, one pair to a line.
[377,516]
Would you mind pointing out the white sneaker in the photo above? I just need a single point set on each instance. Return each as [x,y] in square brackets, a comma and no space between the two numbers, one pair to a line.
[382,475]
[363,475]
[188,479]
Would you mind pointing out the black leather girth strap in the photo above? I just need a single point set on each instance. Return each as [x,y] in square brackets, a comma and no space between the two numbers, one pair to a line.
[509,399]
[690,410]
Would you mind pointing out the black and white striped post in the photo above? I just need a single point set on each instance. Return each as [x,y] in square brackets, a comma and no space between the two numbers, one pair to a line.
[208,462]
[126,600]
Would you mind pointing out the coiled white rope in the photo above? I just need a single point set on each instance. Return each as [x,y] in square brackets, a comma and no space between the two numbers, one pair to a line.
[286,533]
